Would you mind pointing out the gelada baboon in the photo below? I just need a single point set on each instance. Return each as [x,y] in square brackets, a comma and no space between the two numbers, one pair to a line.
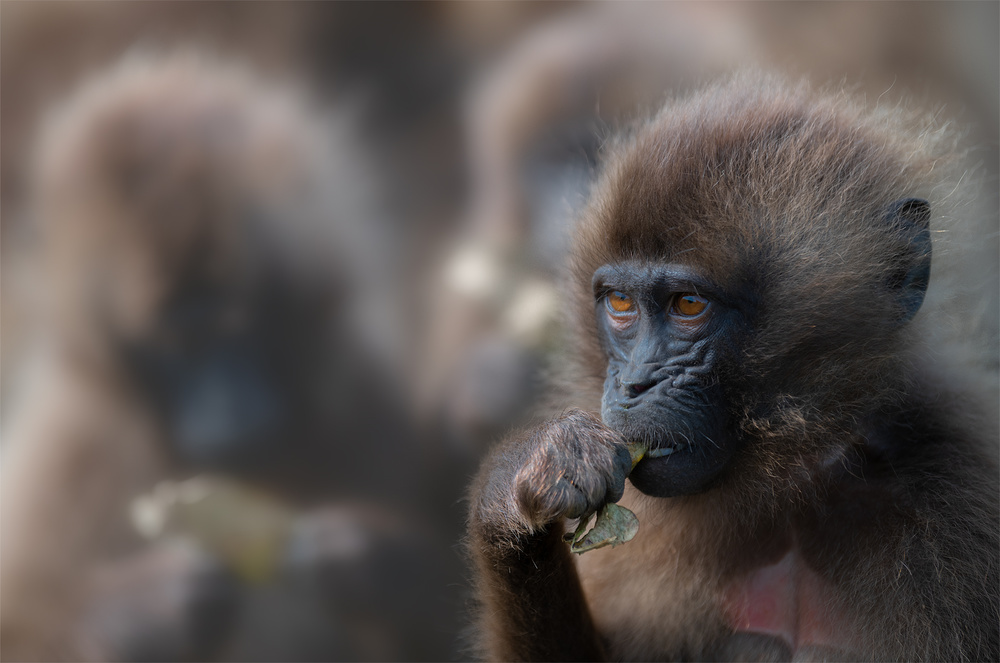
[745,289]
[202,270]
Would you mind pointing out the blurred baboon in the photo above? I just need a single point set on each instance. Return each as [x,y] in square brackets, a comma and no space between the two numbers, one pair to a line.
[211,302]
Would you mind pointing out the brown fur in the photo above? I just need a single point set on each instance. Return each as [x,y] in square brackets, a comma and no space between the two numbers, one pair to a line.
[757,181]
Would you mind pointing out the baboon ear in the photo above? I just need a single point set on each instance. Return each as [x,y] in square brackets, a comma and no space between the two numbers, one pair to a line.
[911,218]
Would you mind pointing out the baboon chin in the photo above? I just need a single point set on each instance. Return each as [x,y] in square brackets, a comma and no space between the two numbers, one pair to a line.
[746,299]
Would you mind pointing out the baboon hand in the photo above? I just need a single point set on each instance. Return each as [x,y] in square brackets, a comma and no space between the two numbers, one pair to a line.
[565,468]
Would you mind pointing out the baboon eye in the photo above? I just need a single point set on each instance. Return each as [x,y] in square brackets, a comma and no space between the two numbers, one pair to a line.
[689,305]
[619,303]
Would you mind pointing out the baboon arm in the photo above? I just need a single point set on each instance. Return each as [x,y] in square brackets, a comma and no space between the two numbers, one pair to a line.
[534,608]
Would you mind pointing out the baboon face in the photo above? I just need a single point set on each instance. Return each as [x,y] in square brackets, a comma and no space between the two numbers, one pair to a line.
[722,297]
[679,344]
[667,333]
[233,367]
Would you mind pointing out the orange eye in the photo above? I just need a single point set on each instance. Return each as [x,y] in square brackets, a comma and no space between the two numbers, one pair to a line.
[689,305]
[619,302]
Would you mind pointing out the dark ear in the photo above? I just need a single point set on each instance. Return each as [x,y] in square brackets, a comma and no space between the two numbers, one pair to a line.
[910,217]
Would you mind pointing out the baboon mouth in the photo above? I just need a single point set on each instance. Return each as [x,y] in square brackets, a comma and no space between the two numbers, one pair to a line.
[675,469]
[660,452]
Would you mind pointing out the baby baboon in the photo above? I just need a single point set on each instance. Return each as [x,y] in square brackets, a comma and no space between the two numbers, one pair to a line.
[745,292]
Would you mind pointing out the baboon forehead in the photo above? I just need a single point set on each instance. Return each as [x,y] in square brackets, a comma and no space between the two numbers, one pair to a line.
[740,243]
[740,179]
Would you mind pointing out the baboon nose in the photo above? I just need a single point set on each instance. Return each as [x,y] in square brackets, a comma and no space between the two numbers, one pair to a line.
[636,387]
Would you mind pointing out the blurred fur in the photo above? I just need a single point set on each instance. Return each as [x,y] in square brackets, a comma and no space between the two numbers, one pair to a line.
[249,158]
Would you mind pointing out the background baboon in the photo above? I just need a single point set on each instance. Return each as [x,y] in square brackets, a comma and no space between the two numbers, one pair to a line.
[820,479]
[209,286]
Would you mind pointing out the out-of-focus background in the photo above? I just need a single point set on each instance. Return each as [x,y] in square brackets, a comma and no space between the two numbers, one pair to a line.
[274,275]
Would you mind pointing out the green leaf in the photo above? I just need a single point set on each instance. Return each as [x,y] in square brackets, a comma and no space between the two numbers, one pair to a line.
[614,526]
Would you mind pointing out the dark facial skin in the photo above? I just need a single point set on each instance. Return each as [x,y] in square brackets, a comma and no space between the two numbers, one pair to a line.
[229,373]
[667,333]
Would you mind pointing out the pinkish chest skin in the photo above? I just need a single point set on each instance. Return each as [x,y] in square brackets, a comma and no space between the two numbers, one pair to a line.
[789,601]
